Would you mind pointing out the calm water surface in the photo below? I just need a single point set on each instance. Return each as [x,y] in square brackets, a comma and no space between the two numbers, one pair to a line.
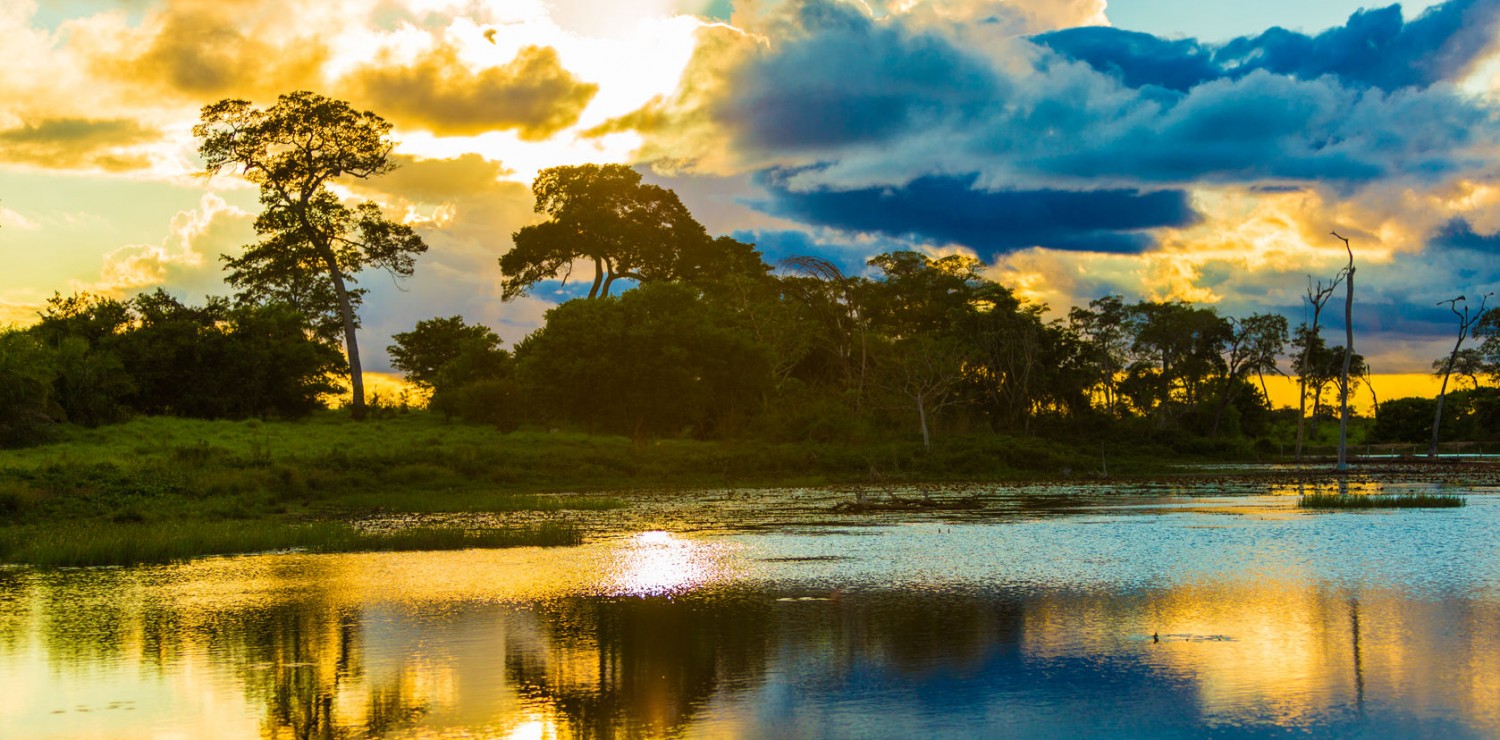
[1162,616]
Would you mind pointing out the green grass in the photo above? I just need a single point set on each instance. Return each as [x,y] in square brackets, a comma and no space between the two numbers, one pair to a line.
[160,488]
[117,543]
[1380,501]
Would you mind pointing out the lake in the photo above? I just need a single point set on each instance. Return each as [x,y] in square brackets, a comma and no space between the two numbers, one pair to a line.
[1159,611]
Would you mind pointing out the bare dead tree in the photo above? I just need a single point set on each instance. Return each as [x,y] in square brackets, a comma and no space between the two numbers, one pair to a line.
[1466,323]
[1317,296]
[1343,463]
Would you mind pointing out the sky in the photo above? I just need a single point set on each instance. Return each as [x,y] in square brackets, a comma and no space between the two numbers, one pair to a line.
[1157,149]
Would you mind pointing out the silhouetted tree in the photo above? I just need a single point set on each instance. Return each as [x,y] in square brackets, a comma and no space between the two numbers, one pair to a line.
[310,239]
[628,229]
[1317,297]
[1254,344]
[1344,388]
[1466,322]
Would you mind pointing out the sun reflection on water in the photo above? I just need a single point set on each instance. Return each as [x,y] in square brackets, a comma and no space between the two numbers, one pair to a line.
[657,563]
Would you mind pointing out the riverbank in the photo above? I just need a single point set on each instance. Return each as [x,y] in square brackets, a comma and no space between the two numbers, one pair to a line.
[162,489]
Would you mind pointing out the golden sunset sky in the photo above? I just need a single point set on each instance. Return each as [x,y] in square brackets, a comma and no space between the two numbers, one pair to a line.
[1153,148]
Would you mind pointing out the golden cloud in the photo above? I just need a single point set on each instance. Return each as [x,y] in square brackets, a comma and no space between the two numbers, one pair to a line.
[77,143]
[200,50]
[532,94]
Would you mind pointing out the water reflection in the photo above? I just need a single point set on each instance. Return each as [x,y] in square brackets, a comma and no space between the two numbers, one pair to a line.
[663,635]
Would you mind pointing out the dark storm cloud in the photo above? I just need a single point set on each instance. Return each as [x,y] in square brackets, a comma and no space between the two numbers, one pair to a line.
[1459,234]
[1374,49]
[839,78]
[950,210]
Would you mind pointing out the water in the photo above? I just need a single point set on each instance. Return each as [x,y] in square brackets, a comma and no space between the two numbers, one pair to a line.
[1140,614]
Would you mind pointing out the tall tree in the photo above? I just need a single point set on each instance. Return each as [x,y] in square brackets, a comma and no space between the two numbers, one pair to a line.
[628,229]
[310,239]
[1343,463]
[1466,323]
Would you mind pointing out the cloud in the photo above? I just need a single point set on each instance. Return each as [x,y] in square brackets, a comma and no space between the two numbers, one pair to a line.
[186,261]
[77,143]
[203,49]
[1375,49]
[883,102]
[532,94]
[951,210]
[848,252]
[1458,233]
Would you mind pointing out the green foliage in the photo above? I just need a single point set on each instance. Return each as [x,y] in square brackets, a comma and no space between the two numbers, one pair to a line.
[28,412]
[446,352]
[498,401]
[1406,420]
[657,360]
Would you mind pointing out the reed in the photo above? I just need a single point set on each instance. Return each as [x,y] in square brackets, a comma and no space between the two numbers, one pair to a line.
[1380,501]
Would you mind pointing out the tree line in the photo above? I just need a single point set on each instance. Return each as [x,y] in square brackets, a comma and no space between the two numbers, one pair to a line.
[709,340]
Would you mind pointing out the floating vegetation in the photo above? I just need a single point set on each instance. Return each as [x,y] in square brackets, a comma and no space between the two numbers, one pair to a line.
[1380,501]
[863,505]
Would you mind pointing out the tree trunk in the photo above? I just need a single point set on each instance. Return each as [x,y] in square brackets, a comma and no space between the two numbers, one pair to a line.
[351,343]
[598,277]
[1437,419]
[1301,406]
[922,415]
[1343,463]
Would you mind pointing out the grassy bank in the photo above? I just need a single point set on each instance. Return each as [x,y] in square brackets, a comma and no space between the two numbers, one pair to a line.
[124,543]
[159,489]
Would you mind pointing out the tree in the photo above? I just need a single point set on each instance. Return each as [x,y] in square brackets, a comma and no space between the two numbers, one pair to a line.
[90,386]
[1467,364]
[628,229]
[1103,329]
[1317,297]
[1176,348]
[310,240]
[216,361]
[1466,323]
[447,352]
[26,389]
[1343,463]
[923,371]
[1254,344]
[655,360]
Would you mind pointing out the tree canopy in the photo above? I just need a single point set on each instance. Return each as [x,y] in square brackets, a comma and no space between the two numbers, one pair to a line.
[629,229]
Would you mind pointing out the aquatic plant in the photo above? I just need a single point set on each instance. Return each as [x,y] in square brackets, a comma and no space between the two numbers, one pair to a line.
[1380,501]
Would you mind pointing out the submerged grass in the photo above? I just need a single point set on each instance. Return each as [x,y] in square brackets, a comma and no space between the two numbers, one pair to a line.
[1380,501]
[113,543]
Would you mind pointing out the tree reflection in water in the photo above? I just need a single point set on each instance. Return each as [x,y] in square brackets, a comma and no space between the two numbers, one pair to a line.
[319,658]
